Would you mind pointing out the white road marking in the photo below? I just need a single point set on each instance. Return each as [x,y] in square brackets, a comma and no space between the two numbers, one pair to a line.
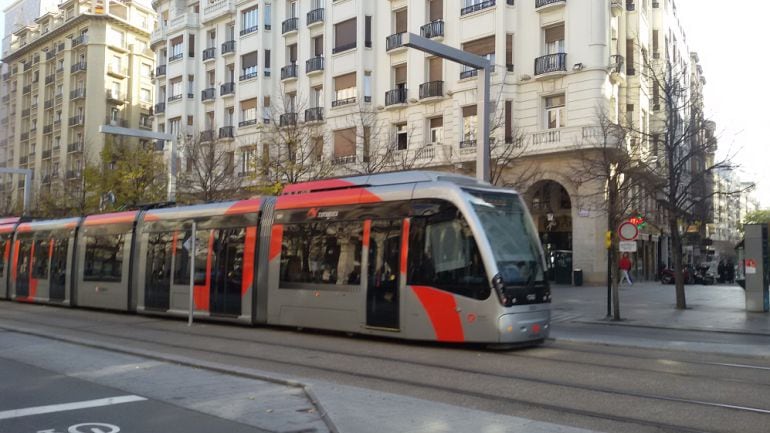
[38,410]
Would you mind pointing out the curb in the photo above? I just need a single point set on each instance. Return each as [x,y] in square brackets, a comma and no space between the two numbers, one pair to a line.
[190,362]
[672,328]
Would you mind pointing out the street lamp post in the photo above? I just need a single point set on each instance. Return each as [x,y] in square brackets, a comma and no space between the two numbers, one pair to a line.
[412,40]
[150,135]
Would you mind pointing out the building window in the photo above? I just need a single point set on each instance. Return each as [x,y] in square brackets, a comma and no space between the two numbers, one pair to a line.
[469,123]
[345,35]
[436,131]
[484,47]
[146,70]
[248,112]
[554,39]
[268,16]
[145,95]
[345,88]
[554,112]
[249,20]
[249,65]
[267,63]
[176,49]
[345,144]
[402,139]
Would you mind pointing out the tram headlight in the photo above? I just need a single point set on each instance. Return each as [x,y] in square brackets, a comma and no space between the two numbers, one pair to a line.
[497,283]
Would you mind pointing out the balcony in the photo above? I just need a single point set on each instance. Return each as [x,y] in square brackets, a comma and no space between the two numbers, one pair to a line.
[542,4]
[477,7]
[25,112]
[289,72]
[158,35]
[48,104]
[341,102]
[26,89]
[432,89]
[208,94]
[78,67]
[160,71]
[343,48]
[47,154]
[75,147]
[217,9]
[22,161]
[207,135]
[344,160]
[50,55]
[315,64]
[117,71]
[394,41]
[77,120]
[24,136]
[116,121]
[160,108]
[78,93]
[290,25]
[115,97]
[248,30]
[315,114]
[249,73]
[551,63]
[73,174]
[47,129]
[227,89]
[395,96]
[434,29]
[80,40]
[315,16]
[49,79]
[181,21]
[247,122]
[173,98]
[175,57]
[288,119]
[226,132]
[467,144]
[228,47]
[209,54]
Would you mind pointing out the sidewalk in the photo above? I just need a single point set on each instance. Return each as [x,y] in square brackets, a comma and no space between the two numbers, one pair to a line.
[652,304]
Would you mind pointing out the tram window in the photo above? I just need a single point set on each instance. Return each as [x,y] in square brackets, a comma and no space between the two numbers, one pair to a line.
[182,259]
[40,263]
[322,252]
[203,239]
[444,254]
[104,258]
[159,256]
[6,250]
[22,266]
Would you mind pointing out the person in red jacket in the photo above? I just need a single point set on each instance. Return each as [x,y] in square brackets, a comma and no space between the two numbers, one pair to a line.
[625,267]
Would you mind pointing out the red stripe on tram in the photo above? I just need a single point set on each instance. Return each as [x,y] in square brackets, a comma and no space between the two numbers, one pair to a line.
[442,311]
[32,281]
[248,259]
[174,238]
[14,268]
[404,245]
[276,238]
[367,232]
[50,249]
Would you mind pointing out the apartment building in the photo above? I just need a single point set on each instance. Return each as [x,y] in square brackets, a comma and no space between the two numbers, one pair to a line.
[229,69]
[84,65]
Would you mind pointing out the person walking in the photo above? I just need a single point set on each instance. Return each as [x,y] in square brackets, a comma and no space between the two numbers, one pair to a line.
[625,267]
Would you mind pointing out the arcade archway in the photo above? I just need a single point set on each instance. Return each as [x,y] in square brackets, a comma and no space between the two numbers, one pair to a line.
[551,208]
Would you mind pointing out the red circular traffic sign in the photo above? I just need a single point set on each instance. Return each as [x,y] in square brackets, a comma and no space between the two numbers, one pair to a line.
[628,231]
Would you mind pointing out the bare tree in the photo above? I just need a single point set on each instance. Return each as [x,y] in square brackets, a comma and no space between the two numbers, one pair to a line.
[292,147]
[209,172]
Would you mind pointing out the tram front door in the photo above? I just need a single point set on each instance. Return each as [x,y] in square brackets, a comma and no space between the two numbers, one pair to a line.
[382,289]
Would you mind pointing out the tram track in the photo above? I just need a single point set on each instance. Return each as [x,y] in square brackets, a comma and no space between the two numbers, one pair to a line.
[356,376]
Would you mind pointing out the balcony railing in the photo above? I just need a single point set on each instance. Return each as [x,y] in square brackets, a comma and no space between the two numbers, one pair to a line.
[315,114]
[227,89]
[342,48]
[209,53]
[78,93]
[75,147]
[432,89]
[114,96]
[464,144]
[315,16]
[252,73]
[207,135]
[346,101]
[25,112]
[314,64]
[26,89]
[209,93]
[24,136]
[160,71]
[477,7]
[433,29]
[82,39]
[248,30]
[48,104]
[289,71]
[177,97]
[117,70]
[247,122]
[77,67]
[109,120]
[49,79]
[344,160]
[77,120]
[393,41]
[175,57]
[47,154]
[160,107]
[47,129]
[290,25]
[226,132]
[288,119]
[73,174]
[396,96]
[551,63]
[228,47]
[542,3]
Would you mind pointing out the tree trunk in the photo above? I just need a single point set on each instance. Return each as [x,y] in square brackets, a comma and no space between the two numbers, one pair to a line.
[613,219]
[676,256]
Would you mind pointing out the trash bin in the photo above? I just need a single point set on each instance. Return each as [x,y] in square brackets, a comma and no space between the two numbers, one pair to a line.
[577,277]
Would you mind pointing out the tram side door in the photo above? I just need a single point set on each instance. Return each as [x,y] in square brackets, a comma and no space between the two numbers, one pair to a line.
[382,288]
[24,257]
[227,271]
[58,274]
[158,271]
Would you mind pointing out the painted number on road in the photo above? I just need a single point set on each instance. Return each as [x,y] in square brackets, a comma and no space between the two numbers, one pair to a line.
[88,427]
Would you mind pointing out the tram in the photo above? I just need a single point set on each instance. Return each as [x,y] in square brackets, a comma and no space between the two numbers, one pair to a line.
[412,255]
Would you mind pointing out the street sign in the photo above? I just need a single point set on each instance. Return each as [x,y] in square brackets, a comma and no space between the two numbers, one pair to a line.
[627,246]
[628,231]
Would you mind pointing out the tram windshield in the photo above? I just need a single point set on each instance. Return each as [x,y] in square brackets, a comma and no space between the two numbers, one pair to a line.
[511,236]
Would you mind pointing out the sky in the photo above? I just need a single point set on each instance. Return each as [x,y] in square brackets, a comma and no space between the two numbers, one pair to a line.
[723,35]
[726,37]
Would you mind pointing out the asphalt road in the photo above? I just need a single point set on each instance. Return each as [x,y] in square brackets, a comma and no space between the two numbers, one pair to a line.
[35,400]
[599,387]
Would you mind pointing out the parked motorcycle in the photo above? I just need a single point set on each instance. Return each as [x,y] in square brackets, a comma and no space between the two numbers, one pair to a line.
[700,275]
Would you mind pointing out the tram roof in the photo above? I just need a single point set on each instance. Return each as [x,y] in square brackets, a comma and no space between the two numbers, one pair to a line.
[203,210]
[381,179]
[43,225]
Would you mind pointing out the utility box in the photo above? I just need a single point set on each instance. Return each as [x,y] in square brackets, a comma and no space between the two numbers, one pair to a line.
[756,267]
